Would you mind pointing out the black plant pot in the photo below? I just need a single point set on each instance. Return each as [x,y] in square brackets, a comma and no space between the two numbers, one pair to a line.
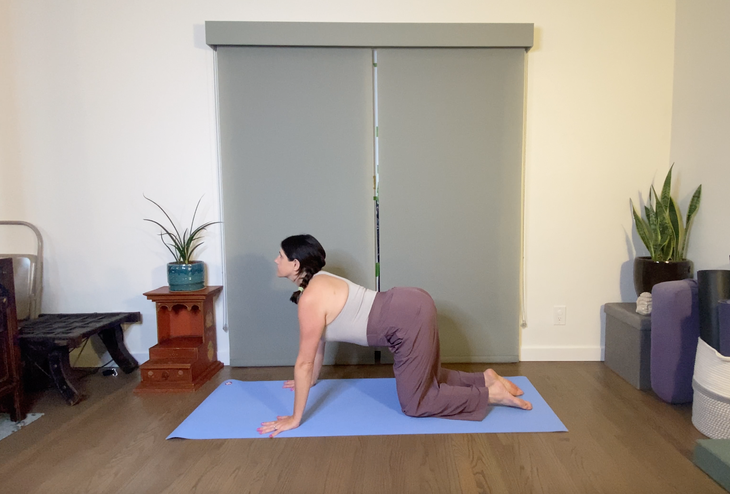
[648,273]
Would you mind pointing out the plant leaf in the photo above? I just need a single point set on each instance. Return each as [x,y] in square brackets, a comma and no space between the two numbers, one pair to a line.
[694,205]
[675,219]
[169,247]
[167,215]
[192,222]
[663,232]
[166,233]
[667,244]
[181,246]
[667,189]
[643,229]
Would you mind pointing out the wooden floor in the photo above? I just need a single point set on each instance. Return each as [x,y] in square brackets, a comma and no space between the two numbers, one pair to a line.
[620,440]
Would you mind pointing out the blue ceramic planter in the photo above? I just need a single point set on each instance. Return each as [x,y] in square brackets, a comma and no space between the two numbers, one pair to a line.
[186,277]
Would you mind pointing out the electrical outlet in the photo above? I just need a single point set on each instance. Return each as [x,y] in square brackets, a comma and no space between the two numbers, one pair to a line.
[559,315]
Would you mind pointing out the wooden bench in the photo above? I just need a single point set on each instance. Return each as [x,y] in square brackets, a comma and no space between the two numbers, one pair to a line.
[47,341]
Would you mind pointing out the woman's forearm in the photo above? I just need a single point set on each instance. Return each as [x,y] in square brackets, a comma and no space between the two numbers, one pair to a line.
[318,359]
[302,383]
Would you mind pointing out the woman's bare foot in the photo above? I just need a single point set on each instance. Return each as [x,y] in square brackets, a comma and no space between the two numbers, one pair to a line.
[490,377]
[499,395]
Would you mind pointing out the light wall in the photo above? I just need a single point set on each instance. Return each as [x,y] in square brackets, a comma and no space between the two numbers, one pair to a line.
[104,101]
[701,124]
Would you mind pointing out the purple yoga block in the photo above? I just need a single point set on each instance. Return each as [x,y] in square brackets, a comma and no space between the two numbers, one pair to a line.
[675,328]
[723,314]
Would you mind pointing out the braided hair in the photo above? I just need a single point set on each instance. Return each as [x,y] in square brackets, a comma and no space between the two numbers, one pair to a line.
[311,256]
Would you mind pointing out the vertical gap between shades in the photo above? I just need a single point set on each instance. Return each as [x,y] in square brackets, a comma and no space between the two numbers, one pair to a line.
[216,105]
[376,180]
[523,277]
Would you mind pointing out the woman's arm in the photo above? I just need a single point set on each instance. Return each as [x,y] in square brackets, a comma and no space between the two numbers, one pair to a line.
[311,328]
[318,362]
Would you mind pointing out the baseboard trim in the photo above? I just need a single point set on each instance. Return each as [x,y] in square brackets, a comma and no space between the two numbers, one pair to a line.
[484,359]
[547,354]
[527,354]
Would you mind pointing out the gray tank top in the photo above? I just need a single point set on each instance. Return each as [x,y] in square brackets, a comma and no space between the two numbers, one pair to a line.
[351,324]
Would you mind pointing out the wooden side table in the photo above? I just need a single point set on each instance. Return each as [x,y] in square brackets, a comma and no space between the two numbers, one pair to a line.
[185,356]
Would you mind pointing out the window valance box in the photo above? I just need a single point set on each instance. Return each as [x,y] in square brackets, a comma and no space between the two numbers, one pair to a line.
[369,35]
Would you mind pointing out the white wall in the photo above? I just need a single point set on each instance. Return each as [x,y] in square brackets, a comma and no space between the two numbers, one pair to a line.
[701,123]
[103,101]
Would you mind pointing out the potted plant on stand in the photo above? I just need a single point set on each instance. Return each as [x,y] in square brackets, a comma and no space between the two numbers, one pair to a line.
[183,274]
[666,236]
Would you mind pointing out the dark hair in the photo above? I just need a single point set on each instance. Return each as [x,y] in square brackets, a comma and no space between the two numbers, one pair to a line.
[310,254]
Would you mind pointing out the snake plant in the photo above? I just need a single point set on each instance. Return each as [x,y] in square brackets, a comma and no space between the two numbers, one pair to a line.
[181,246]
[662,230]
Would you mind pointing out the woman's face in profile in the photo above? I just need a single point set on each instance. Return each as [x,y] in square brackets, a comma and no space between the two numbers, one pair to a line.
[284,267]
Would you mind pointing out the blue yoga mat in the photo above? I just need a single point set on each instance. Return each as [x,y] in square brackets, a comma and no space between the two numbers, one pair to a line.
[346,407]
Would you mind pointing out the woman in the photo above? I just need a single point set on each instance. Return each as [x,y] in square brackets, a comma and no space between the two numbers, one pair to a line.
[331,308]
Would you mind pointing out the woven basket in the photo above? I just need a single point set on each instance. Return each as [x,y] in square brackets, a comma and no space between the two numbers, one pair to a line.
[711,384]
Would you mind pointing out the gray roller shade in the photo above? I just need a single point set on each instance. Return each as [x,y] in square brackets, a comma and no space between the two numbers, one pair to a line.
[450,137]
[297,157]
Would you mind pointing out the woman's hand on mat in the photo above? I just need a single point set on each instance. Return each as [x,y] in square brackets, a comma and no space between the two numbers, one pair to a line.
[290,384]
[283,423]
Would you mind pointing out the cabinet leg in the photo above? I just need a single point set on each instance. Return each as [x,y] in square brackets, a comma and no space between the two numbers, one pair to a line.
[16,412]
[113,338]
[60,366]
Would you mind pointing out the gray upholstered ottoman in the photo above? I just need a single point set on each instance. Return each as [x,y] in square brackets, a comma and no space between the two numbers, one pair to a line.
[628,343]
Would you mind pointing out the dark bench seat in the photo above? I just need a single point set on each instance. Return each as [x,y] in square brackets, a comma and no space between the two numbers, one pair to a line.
[51,337]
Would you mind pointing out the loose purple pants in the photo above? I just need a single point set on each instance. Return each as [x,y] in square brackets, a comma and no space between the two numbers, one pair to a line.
[404,319]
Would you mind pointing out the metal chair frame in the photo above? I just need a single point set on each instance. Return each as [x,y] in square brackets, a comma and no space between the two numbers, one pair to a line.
[31,297]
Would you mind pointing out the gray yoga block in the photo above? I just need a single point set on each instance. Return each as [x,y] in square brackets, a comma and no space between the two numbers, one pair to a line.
[713,457]
[675,329]
[628,343]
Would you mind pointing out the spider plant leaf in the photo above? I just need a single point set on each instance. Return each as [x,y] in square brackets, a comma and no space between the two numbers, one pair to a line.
[166,232]
[180,246]
[162,237]
[165,213]
[175,252]
[195,212]
[175,247]
[198,230]
[194,236]
[195,247]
